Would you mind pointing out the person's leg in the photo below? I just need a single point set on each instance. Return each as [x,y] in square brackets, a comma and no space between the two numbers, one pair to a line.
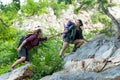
[17,62]
[64,47]
[77,43]
[74,48]
[27,61]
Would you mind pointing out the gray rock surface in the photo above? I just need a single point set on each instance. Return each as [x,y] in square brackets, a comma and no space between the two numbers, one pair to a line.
[17,74]
[110,74]
[78,66]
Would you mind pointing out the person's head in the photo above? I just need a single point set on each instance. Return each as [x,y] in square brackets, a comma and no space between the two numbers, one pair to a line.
[79,23]
[38,32]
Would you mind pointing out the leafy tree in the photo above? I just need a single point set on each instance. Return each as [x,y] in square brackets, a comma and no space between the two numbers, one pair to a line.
[17,4]
[104,6]
[1,5]
[66,1]
[32,8]
[87,4]
[8,14]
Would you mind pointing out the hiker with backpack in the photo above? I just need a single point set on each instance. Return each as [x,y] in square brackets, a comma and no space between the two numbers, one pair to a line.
[26,44]
[72,34]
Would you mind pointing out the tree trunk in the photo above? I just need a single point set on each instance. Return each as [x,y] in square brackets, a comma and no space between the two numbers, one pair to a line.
[106,11]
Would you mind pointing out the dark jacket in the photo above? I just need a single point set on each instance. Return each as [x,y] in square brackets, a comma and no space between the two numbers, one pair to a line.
[72,32]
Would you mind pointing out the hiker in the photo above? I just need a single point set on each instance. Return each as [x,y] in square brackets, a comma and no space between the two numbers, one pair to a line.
[27,44]
[72,34]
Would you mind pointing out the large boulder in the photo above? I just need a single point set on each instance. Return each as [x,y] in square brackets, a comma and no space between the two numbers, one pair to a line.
[105,65]
[21,73]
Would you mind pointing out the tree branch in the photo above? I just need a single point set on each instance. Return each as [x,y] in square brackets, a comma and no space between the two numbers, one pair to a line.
[110,16]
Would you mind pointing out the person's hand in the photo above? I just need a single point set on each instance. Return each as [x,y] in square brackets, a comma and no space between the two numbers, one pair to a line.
[19,49]
[85,40]
[58,34]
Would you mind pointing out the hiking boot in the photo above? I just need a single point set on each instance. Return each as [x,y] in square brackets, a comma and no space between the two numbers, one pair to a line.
[11,69]
[74,49]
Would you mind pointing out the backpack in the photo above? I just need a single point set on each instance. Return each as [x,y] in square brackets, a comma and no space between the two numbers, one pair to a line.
[69,23]
[23,38]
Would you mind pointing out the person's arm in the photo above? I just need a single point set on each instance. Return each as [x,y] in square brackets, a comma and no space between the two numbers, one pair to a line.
[64,32]
[20,47]
[69,27]
[30,38]
[49,37]
[83,37]
[86,40]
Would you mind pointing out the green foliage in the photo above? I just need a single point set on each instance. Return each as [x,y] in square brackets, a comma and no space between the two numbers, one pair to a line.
[32,8]
[45,55]
[100,17]
[92,33]
[66,1]
[77,10]
[8,33]
[57,7]
[88,4]
[4,68]
[9,14]
[105,3]
[8,43]
[107,31]
[85,4]
[44,58]
[17,4]
[1,5]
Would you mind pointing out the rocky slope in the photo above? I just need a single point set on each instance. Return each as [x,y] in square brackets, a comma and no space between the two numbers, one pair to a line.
[98,59]
[21,73]
[82,65]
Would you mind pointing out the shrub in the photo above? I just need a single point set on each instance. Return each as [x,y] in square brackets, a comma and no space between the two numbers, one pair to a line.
[100,17]
[32,8]
[57,7]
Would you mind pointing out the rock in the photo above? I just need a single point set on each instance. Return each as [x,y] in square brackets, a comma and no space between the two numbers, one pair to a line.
[21,73]
[50,20]
[110,74]
[104,66]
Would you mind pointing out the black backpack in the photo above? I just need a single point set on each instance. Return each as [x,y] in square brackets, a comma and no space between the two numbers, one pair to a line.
[23,38]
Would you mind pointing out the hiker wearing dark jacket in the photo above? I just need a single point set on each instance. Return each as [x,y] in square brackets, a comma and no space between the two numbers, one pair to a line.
[30,42]
[72,34]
